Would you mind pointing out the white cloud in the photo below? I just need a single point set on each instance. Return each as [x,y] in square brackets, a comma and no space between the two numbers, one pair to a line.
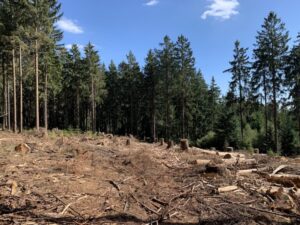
[80,47]
[69,26]
[223,9]
[152,2]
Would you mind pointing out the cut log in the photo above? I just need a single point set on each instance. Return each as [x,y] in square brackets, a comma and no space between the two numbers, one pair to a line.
[184,144]
[170,144]
[14,186]
[245,172]
[227,189]
[279,168]
[288,180]
[202,162]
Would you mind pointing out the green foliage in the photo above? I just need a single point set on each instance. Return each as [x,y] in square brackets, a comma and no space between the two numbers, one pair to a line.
[209,140]
[167,98]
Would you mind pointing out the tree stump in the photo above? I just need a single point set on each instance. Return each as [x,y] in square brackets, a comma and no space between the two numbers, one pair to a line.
[256,151]
[162,141]
[229,149]
[184,144]
[128,142]
[170,144]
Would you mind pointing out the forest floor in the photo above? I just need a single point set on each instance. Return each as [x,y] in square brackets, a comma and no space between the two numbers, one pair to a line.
[89,179]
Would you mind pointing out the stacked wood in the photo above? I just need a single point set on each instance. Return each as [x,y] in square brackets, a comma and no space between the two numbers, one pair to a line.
[184,144]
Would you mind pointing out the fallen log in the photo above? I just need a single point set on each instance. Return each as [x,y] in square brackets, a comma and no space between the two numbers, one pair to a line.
[227,189]
[202,162]
[245,172]
[289,180]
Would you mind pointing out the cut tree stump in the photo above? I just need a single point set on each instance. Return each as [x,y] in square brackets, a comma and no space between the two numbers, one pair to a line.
[23,148]
[162,141]
[184,144]
[229,149]
[170,144]
[256,151]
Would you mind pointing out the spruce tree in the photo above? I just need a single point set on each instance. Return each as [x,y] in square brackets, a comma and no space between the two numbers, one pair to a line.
[270,50]
[239,85]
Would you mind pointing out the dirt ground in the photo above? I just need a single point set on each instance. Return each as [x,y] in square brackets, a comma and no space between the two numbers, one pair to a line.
[102,179]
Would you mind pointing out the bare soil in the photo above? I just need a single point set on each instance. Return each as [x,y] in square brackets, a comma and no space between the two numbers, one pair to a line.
[85,179]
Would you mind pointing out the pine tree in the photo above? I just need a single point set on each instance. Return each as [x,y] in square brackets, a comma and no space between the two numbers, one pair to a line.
[271,49]
[185,63]
[167,66]
[213,104]
[92,61]
[151,91]
[292,81]
[240,70]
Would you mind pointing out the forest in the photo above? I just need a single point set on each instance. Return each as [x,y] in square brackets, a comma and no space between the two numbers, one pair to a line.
[44,85]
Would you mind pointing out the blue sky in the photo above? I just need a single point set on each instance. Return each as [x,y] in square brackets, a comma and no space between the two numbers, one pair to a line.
[117,26]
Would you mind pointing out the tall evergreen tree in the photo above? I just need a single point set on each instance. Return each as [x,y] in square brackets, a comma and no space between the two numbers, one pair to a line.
[271,49]
[185,63]
[292,81]
[240,70]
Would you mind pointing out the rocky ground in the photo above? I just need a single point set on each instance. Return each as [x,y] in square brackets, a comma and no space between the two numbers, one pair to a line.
[103,179]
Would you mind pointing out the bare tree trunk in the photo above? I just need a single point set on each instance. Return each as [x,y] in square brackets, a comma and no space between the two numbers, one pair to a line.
[275,113]
[241,109]
[4,124]
[14,92]
[93,106]
[46,102]
[8,104]
[266,107]
[37,114]
[77,107]
[21,90]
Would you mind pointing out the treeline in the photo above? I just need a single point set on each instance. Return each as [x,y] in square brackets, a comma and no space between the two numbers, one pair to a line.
[45,83]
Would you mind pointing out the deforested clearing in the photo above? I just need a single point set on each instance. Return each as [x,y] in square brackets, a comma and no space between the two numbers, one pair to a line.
[99,179]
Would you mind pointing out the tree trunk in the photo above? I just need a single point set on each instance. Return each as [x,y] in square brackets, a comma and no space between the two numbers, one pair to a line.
[93,106]
[241,110]
[167,107]
[46,102]
[266,109]
[275,115]
[37,114]
[14,92]
[21,90]
[4,124]
[8,104]
[77,107]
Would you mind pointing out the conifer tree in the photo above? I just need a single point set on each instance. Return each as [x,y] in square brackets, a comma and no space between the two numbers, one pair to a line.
[271,49]
[240,70]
